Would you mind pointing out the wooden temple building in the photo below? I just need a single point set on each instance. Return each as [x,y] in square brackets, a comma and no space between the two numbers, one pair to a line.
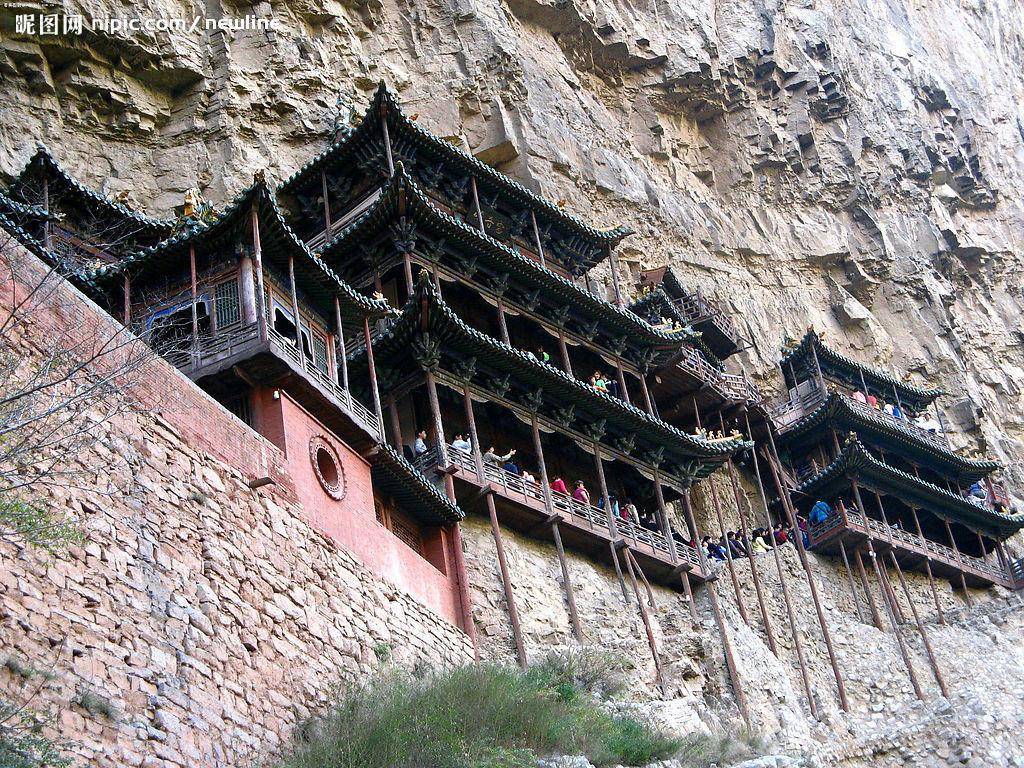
[867,444]
[421,337]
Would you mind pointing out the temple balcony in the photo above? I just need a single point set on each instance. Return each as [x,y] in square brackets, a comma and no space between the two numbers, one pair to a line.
[220,362]
[715,325]
[585,528]
[853,529]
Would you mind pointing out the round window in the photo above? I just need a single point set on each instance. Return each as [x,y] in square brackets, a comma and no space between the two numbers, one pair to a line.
[327,467]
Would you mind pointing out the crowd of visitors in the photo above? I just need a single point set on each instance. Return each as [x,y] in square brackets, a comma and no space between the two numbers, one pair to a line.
[922,421]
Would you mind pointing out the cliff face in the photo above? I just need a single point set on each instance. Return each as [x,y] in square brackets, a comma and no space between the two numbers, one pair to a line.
[856,165]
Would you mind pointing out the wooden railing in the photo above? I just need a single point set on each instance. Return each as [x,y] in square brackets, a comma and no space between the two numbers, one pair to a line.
[696,307]
[854,520]
[580,514]
[351,213]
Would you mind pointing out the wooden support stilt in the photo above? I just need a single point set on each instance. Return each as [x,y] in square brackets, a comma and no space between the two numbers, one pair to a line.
[716,504]
[536,237]
[570,593]
[465,605]
[787,600]
[648,402]
[888,529]
[614,264]
[904,651]
[294,294]
[564,350]
[374,389]
[340,353]
[257,258]
[853,588]
[126,314]
[327,207]
[623,391]
[787,505]
[506,580]
[476,203]
[876,617]
[474,440]
[387,138]
[502,325]
[644,615]
[396,424]
[688,589]
[920,628]
[612,528]
[195,309]
[956,551]
[716,609]
[755,575]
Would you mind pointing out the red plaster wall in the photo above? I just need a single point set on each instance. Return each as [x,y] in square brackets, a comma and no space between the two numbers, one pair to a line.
[352,522]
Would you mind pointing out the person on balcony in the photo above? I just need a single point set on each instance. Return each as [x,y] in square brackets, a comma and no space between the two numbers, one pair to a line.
[491,457]
[598,382]
[460,443]
[510,466]
[872,401]
[820,512]
[629,512]
[858,396]
[713,549]
[528,478]
[542,355]
[580,493]
[558,485]
[614,504]
[927,423]
[420,446]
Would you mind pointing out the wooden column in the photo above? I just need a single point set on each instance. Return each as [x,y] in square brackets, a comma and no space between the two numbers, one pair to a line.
[342,354]
[506,580]
[564,350]
[373,374]
[614,264]
[327,207]
[960,562]
[623,391]
[476,204]
[570,594]
[387,138]
[407,269]
[920,628]
[46,207]
[541,464]
[888,534]
[755,575]
[295,311]
[258,262]
[876,617]
[648,402]
[396,423]
[126,315]
[721,527]
[787,505]
[465,605]
[474,439]
[644,615]
[663,522]
[928,565]
[612,527]
[787,600]
[853,587]
[716,609]
[502,325]
[536,237]
[195,309]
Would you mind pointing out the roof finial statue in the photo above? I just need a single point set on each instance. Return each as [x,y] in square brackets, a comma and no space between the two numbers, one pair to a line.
[344,111]
[194,207]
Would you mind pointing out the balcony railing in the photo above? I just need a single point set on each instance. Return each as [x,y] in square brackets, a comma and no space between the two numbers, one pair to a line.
[580,514]
[226,343]
[852,519]
[697,307]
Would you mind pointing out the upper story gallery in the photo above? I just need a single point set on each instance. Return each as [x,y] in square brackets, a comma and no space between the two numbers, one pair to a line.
[395,286]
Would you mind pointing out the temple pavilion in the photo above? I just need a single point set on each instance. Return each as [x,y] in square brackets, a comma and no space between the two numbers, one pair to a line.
[870,446]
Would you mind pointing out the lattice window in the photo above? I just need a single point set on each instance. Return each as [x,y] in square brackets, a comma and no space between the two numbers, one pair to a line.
[407,531]
[229,310]
[320,352]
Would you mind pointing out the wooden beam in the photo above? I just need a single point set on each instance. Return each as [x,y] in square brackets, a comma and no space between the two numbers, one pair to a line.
[373,373]
[920,628]
[506,580]
[570,593]
[536,237]
[853,587]
[257,251]
[295,312]
[644,616]
[339,333]
[612,528]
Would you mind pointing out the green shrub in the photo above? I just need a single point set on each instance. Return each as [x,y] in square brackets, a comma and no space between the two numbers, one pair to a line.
[95,704]
[481,716]
[22,744]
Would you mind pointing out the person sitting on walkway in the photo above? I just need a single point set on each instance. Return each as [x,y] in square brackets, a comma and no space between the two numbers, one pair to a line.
[927,423]
[760,546]
[858,396]
[897,413]
[493,458]
[820,512]
[420,446]
[460,443]
[736,548]
[558,484]
[715,549]
[580,493]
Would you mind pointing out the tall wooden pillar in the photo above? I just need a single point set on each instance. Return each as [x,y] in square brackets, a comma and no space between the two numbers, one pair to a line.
[960,562]
[612,527]
[536,237]
[716,609]
[126,315]
[921,629]
[387,138]
[787,505]
[327,207]
[876,617]
[476,203]
[570,594]
[663,521]
[564,350]
[928,565]
[614,264]
[755,575]
[853,587]
[373,373]
[257,253]
[396,423]
[506,580]
[341,353]
[787,600]
[295,311]
[474,439]
[502,324]
[648,402]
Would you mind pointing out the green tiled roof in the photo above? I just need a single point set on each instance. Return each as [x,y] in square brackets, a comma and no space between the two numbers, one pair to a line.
[843,410]
[412,490]
[855,460]
[233,218]
[829,358]
[401,127]
[386,209]
[426,312]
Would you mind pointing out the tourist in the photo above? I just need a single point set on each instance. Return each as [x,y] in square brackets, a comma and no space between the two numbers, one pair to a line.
[897,413]
[420,446]
[558,485]
[859,397]
[492,457]
[528,477]
[760,545]
[460,443]
[614,504]
[888,410]
[510,466]
[580,493]
[597,381]
[629,512]
[542,355]
[927,423]
[820,512]
[736,547]
[872,401]
[781,537]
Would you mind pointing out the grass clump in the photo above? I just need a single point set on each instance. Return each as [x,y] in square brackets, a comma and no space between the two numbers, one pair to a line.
[482,716]
[96,704]
[702,750]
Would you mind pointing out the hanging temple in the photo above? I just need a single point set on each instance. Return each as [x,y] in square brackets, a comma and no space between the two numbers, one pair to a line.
[398,309]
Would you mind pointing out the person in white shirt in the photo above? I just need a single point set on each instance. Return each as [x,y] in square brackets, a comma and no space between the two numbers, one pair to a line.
[460,443]
[420,446]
